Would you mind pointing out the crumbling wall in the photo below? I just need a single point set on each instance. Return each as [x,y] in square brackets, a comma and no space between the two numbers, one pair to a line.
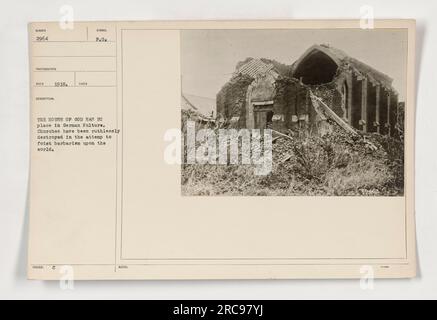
[357,89]
[289,103]
[231,99]
[371,108]
[330,94]
[393,112]
[383,129]
[291,107]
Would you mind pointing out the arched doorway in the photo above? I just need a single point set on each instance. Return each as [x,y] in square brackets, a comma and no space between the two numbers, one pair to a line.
[260,102]
[263,114]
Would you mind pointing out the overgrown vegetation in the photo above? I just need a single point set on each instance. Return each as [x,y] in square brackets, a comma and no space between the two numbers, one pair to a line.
[337,164]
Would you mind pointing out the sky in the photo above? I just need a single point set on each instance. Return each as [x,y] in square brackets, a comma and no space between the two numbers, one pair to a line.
[209,57]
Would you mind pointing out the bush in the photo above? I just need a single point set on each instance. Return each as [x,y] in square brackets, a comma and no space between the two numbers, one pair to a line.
[337,164]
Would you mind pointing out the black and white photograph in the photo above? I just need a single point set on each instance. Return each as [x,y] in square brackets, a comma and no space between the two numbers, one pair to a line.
[305,112]
[220,161]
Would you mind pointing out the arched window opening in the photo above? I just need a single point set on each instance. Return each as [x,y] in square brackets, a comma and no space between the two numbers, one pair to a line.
[316,68]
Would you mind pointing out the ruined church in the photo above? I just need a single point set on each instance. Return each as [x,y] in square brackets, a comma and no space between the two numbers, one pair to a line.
[324,86]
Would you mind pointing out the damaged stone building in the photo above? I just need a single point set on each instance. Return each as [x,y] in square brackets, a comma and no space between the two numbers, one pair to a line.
[323,83]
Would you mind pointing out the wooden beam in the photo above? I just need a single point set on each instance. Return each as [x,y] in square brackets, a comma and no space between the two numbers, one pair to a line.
[317,103]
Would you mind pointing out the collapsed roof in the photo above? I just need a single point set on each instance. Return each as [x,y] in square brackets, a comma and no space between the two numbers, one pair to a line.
[253,67]
[318,65]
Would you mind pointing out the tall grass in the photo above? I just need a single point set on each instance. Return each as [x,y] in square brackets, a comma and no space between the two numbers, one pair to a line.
[336,164]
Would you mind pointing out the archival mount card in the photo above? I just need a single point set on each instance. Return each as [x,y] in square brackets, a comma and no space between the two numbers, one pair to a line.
[222,150]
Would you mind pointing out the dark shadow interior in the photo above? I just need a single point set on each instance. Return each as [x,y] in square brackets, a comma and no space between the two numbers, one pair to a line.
[316,68]
[269,117]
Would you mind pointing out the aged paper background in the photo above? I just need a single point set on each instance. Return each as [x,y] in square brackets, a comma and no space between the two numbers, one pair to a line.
[117,213]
